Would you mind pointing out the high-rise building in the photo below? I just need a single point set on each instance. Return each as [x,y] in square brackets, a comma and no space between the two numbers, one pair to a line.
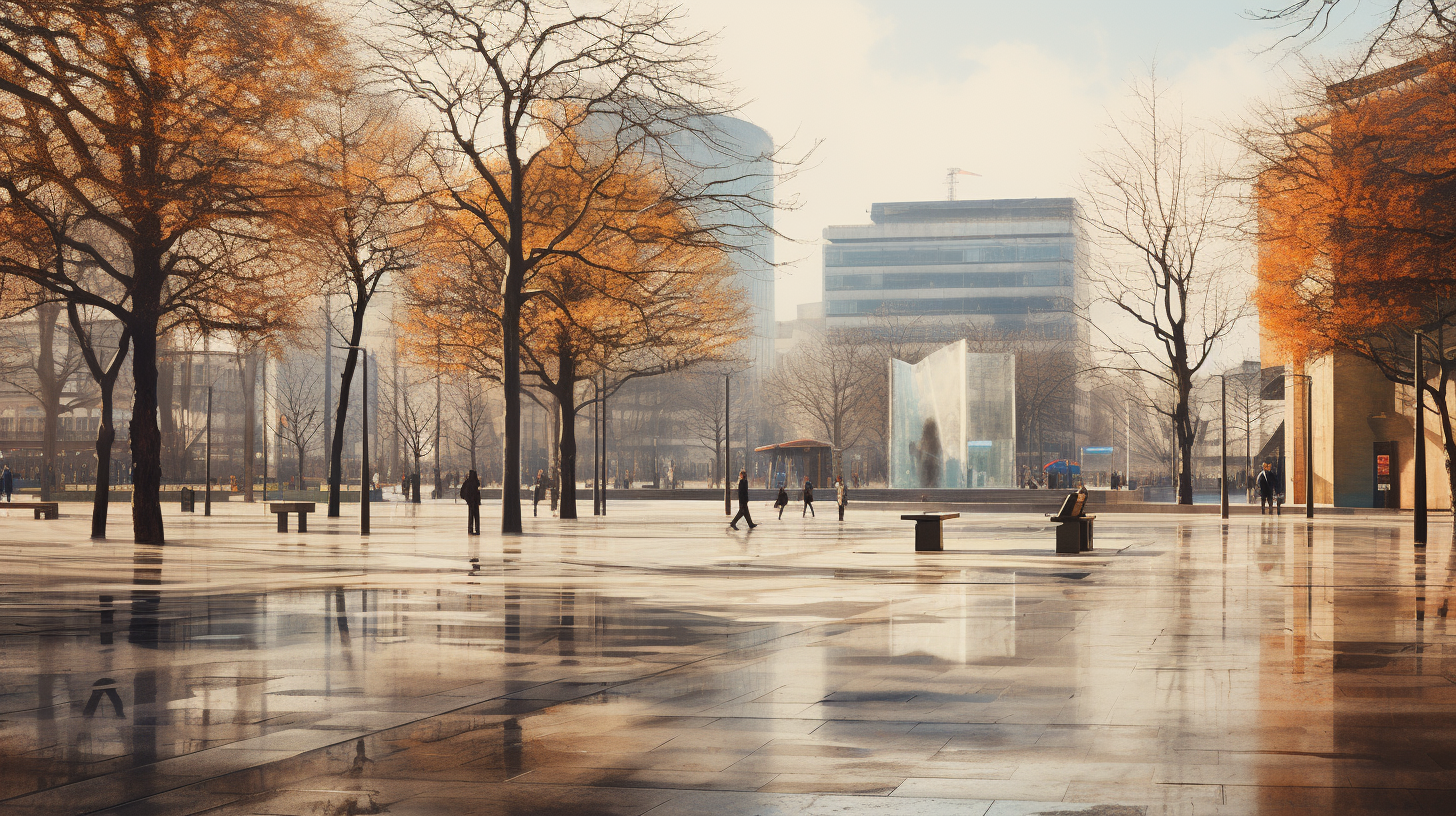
[1003,273]
[1007,263]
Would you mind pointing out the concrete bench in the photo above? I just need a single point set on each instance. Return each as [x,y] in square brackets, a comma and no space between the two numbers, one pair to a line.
[928,529]
[282,509]
[1074,526]
[52,510]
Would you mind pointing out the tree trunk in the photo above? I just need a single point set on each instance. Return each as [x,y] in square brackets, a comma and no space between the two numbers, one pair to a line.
[302,485]
[511,394]
[566,419]
[1183,429]
[105,436]
[415,478]
[146,436]
[336,445]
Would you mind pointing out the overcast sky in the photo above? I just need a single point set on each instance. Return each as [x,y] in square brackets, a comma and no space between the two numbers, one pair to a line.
[899,90]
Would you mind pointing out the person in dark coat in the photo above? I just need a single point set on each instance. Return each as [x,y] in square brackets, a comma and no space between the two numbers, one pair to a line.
[808,500]
[742,502]
[539,492]
[470,494]
[782,500]
[1265,485]
[7,482]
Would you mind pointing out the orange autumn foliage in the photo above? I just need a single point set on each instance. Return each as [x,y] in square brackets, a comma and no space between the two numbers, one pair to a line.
[1356,223]
[629,289]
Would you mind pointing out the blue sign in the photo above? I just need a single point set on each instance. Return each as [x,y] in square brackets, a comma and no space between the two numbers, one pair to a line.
[1097,450]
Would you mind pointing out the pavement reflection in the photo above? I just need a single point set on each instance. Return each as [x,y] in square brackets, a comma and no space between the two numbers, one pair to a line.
[653,663]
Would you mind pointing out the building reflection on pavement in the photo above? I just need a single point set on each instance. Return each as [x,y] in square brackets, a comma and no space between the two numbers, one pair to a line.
[1254,666]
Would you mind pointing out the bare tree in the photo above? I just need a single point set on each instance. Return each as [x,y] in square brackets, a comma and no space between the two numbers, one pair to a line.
[298,399]
[414,419]
[704,403]
[471,410]
[834,384]
[42,359]
[504,77]
[1154,204]
[1404,26]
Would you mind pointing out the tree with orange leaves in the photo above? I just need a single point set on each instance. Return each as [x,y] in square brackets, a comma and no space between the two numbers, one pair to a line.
[625,297]
[503,78]
[144,136]
[359,220]
[1357,228]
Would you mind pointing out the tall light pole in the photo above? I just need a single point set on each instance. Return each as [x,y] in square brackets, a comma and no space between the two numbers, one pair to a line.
[1223,504]
[727,443]
[207,468]
[364,441]
[1308,443]
[265,426]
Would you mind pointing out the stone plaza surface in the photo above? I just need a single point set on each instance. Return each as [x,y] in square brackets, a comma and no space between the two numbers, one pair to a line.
[654,662]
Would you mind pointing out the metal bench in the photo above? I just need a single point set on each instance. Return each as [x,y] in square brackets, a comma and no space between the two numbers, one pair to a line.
[52,510]
[1074,526]
[282,509]
[928,529]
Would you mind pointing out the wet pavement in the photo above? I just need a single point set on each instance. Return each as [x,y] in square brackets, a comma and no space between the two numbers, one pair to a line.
[657,663]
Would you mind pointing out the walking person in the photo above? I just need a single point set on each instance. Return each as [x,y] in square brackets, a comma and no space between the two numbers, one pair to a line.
[841,495]
[808,500]
[1265,485]
[470,494]
[7,482]
[782,500]
[539,492]
[742,502]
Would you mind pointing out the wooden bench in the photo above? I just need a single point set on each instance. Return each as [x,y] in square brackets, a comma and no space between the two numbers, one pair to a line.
[282,509]
[928,529]
[52,510]
[1074,526]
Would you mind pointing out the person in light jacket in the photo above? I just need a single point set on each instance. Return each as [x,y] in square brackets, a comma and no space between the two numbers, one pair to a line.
[539,491]
[841,495]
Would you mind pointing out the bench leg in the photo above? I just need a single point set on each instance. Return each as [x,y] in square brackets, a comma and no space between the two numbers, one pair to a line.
[37,513]
[53,514]
[1069,538]
[282,522]
[303,522]
[928,536]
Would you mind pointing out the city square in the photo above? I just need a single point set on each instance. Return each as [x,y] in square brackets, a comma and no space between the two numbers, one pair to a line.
[663,407]
[654,662]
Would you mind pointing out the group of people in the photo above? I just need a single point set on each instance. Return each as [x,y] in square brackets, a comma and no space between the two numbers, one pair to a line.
[841,498]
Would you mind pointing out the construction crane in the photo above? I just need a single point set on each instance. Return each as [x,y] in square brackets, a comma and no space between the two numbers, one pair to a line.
[950,181]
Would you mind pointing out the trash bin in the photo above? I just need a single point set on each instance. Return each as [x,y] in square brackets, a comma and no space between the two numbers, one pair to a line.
[189,500]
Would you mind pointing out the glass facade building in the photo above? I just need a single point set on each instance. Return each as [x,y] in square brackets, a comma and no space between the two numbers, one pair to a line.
[1008,263]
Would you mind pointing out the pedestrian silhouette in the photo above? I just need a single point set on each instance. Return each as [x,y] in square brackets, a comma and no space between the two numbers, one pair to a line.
[808,500]
[742,502]
[470,494]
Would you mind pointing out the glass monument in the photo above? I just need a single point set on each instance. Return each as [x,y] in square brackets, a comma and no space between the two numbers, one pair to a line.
[953,420]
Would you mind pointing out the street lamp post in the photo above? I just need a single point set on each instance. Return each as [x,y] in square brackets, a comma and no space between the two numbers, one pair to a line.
[727,443]
[364,441]
[207,468]
[1223,501]
[1308,443]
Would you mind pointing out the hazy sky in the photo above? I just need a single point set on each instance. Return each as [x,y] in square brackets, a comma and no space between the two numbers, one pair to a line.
[899,90]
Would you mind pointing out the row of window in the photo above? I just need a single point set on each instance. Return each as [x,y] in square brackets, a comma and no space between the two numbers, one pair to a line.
[948,280]
[951,306]
[945,254]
